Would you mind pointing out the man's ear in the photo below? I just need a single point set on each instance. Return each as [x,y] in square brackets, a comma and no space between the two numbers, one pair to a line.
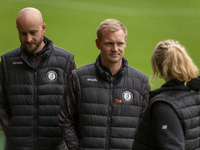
[43,28]
[97,43]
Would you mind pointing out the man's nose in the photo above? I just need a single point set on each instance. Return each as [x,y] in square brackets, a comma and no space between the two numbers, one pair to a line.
[114,47]
[28,38]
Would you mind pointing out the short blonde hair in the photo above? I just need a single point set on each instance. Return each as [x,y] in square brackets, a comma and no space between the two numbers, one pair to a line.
[113,25]
[171,58]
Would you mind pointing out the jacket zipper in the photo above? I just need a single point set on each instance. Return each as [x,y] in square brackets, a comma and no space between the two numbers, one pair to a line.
[35,103]
[109,114]
[35,109]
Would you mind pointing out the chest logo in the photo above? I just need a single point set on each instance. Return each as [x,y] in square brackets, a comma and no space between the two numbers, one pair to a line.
[18,63]
[51,76]
[127,96]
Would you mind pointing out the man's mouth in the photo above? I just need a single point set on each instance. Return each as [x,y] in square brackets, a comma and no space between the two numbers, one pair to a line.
[30,44]
[114,54]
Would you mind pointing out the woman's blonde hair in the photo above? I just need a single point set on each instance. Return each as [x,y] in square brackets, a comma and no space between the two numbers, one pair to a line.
[171,61]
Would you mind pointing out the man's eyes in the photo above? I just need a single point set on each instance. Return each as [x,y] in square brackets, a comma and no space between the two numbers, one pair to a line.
[109,43]
[32,33]
[119,44]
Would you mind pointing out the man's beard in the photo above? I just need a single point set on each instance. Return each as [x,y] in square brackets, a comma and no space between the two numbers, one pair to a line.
[34,47]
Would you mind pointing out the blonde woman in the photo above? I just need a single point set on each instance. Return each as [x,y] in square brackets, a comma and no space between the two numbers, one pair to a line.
[172,119]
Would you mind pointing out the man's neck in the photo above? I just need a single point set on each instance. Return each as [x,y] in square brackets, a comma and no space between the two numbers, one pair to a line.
[40,47]
[114,68]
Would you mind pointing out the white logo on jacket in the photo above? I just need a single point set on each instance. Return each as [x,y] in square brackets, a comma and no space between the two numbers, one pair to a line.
[127,96]
[51,76]
[18,63]
[93,80]
[164,127]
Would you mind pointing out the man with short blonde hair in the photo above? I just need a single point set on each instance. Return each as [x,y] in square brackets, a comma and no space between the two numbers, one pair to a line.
[104,100]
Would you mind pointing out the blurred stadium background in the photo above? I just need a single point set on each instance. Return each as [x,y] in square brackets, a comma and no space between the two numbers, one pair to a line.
[72,24]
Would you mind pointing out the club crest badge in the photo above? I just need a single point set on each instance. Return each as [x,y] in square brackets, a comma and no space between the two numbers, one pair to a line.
[51,76]
[127,96]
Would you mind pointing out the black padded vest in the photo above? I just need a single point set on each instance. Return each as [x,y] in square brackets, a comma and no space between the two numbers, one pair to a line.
[108,111]
[186,104]
[34,96]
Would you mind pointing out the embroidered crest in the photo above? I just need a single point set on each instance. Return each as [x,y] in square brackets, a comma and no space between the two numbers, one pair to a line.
[127,96]
[51,76]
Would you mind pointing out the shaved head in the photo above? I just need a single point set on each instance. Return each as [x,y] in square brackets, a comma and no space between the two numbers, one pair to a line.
[29,13]
[31,29]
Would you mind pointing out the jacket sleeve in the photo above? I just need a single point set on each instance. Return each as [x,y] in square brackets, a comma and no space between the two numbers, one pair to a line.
[167,126]
[72,67]
[145,101]
[4,105]
[67,117]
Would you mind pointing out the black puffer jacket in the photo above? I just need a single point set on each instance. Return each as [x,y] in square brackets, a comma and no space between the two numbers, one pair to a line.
[185,101]
[108,108]
[34,96]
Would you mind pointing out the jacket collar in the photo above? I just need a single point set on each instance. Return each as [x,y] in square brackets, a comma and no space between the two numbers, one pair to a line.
[104,72]
[175,84]
[48,48]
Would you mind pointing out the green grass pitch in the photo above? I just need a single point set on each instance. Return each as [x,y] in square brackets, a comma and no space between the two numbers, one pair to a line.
[71,24]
